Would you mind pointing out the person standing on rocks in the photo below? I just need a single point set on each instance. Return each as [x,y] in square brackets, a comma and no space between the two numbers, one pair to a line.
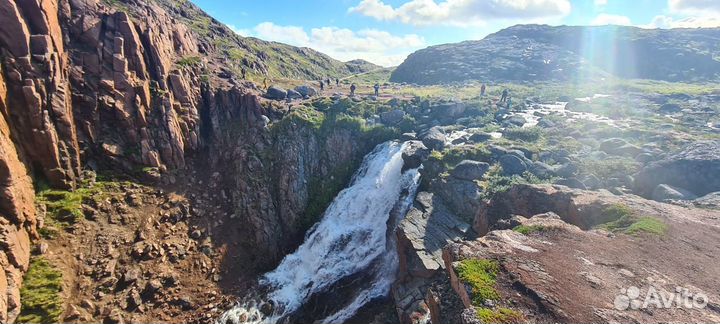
[328,82]
[265,84]
[322,85]
[352,90]
[244,73]
[509,103]
[337,82]
[377,89]
[504,95]
[482,90]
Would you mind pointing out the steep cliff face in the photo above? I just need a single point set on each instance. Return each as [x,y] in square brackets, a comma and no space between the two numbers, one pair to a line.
[85,85]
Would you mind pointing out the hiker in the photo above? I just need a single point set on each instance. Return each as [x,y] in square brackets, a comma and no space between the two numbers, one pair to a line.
[377,89]
[265,84]
[244,73]
[482,90]
[322,85]
[337,82]
[352,89]
[328,82]
[509,103]
[504,95]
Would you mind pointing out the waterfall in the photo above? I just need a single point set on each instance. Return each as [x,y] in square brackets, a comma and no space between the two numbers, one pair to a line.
[353,245]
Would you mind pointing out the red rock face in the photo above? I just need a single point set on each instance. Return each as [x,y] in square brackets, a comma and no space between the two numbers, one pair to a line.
[76,72]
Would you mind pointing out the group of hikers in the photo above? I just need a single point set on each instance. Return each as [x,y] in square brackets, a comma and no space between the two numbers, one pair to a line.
[504,97]
[353,87]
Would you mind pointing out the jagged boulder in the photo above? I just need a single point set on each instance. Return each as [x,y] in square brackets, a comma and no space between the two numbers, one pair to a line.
[392,117]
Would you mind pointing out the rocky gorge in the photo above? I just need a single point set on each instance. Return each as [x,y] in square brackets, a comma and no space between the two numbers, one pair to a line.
[143,180]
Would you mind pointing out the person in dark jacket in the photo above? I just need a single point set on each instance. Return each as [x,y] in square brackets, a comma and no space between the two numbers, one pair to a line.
[322,85]
[504,95]
[352,89]
[337,82]
[377,89]
[482,90]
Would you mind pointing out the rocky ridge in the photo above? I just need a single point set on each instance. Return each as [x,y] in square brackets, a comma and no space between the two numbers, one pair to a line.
[540,52]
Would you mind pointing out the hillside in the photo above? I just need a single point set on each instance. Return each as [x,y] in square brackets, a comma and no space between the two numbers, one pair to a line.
[231,51]
[541,52]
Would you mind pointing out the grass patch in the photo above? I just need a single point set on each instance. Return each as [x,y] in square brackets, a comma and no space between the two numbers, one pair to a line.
[611,167]
[40,293]
[494,182]
[481,275]
[189,61]
[526,134]
[626,222]
[64,208]
[529,229]
[498,315]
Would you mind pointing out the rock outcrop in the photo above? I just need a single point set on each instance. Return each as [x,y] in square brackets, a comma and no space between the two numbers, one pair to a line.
[548,270]
[696,168]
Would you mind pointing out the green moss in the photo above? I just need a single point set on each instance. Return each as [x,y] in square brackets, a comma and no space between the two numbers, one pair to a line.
[65,207]
[494,182]
[189,61]
[40,293]
[624,221]
[648,225]
[457,154]
[612,167]
[527,134]
[481,276]
[527,230]
[498,315]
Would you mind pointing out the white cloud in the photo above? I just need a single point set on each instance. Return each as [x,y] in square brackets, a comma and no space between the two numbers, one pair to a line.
[601,3]
[377,46]
[607,19]
[698,6]
[462,12]
[240,31]
[688,22]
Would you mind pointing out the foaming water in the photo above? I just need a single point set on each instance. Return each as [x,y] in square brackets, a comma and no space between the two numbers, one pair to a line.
[352,238]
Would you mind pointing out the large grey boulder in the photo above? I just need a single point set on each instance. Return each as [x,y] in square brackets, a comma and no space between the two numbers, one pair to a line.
[470,170]
[414,154]
[392,117]
[306,90]
[434,138]
[665,192]
[619,147]
[512,165]
[276,93]
[695,168]
[292,94]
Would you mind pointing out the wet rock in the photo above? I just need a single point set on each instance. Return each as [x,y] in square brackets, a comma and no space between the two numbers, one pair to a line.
[665,192]
[292,94]
[515,120]
[414,155]
[470,170]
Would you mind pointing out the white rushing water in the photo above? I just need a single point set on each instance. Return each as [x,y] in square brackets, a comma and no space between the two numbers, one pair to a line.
[351,238]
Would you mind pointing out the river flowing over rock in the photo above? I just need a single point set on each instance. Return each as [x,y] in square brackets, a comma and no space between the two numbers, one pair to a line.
[355,238]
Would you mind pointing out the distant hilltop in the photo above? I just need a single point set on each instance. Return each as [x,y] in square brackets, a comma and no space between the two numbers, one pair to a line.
[541,52]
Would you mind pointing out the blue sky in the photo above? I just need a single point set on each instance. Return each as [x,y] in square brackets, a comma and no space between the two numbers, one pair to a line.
[386,31]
